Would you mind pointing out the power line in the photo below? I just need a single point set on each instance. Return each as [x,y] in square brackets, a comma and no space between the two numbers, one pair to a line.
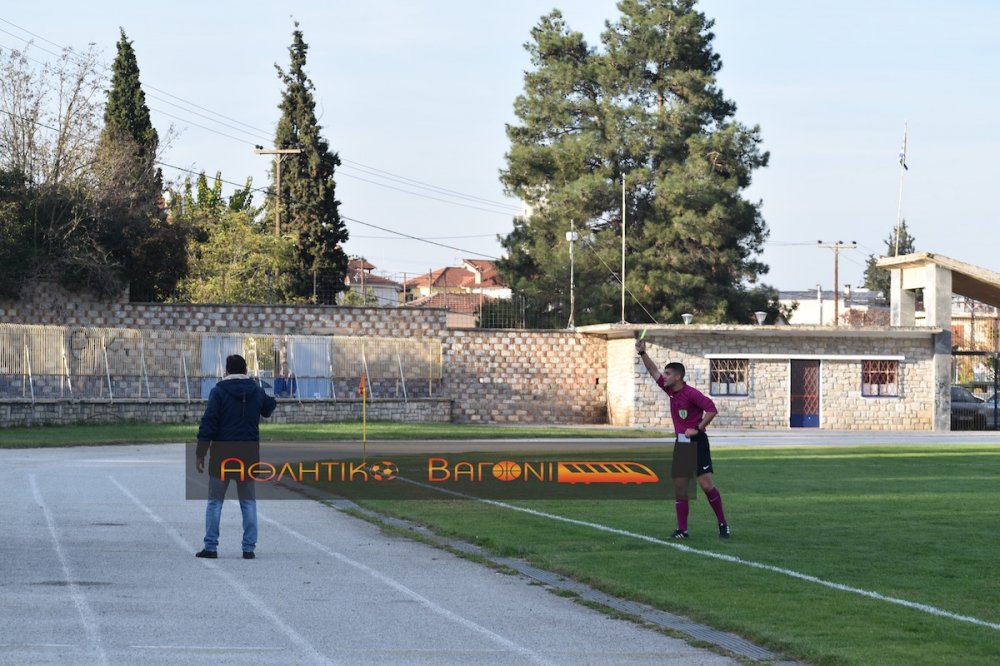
[416,238]
[259,189]
[423,196]
[590,246]
[260,134]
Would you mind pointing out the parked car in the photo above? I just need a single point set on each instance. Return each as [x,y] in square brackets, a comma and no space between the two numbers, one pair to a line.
[967,411]
[992,409]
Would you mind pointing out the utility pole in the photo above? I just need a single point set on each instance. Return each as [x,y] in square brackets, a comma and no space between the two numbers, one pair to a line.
[572,236]
[279,155]
[836,247]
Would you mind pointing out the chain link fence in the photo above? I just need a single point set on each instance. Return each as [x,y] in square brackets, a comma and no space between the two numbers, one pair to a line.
[86,363]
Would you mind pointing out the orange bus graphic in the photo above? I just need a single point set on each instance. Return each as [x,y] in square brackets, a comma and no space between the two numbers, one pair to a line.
[604,472]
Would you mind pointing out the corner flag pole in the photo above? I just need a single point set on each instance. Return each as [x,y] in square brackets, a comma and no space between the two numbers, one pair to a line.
[899,207]
[364,419]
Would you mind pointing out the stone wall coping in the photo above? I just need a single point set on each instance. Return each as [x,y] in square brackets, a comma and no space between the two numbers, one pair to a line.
[625,331]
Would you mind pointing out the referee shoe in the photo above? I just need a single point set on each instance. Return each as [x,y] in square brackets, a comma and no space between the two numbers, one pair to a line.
[724,531]
[679,534]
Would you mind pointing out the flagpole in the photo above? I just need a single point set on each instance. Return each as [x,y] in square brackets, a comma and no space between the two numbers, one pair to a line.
[899,205]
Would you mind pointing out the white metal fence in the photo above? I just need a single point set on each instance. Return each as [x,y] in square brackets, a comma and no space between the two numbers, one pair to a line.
[76,363]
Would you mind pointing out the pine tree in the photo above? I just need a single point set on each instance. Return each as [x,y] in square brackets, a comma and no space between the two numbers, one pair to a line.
[644,110]
[878,279]
[309,206]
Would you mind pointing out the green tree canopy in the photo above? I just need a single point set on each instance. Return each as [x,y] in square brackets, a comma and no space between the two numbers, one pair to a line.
[877,279]
[644,110]
[309,206]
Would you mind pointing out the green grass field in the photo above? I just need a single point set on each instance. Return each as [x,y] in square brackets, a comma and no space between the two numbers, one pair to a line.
[130,433]
[916,523]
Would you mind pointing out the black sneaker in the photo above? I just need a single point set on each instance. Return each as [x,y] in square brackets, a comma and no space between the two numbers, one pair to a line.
[724,531]
[210,554]
[248,555]
[679,534]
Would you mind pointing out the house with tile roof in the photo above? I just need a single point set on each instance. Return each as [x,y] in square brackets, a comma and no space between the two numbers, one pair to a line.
[361,279]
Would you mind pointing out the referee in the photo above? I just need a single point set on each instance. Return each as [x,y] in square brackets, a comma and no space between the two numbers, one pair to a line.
[691,411]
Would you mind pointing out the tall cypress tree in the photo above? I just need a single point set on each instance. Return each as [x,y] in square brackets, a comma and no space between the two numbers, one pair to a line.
[309,206]
[644,110]
[127,122]
[149,249]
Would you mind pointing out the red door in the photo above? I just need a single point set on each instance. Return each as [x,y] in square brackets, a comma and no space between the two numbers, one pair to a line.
[804,412]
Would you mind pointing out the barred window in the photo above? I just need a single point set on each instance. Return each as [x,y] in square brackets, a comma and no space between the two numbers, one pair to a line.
[879,378]
[729,376]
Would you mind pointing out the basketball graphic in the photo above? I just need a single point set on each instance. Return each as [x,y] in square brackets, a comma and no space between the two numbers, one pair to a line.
[506,470]
[384,471]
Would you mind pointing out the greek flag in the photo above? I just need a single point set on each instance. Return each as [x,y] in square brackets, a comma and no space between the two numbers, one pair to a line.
[902,152]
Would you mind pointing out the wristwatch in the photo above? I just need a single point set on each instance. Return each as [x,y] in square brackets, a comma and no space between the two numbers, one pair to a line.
[642,353]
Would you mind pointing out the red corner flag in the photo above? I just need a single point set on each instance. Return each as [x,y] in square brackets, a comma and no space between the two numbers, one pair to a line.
[361,387]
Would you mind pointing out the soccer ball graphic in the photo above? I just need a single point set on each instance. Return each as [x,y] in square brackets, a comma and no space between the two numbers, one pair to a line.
[384,471]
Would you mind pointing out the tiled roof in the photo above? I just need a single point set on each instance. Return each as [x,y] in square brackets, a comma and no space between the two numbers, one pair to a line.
[451,276]
[360,264]
[461,303]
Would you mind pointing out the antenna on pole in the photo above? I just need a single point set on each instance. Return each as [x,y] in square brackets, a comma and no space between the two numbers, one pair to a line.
[899,207]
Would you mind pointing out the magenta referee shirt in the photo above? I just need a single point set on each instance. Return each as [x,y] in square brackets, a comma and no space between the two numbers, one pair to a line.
[687,406]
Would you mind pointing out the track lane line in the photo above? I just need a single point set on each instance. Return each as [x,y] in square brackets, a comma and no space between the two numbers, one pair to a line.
[240,589]
[87,617]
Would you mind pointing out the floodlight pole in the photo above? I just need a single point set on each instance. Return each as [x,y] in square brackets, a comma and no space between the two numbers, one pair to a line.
[572,236]
[623,250]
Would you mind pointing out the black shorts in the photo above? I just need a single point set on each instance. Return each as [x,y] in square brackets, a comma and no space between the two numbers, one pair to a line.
[691,458]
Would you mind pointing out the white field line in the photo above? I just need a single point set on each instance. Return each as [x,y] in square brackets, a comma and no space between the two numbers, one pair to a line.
[924,608]
[416,596]
[234,583]
[79,598]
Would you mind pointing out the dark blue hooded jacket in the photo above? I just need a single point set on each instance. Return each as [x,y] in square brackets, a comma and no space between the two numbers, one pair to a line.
[233,416]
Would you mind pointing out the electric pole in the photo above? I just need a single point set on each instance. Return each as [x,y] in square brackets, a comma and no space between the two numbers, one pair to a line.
[279,155]
[836,247]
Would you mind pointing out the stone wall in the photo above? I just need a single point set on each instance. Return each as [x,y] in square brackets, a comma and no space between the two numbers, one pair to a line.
[55,412]
[516,376]
[491,376]
[767,406]
[50,304]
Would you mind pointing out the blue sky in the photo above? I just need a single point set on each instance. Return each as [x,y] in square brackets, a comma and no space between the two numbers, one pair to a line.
[423,90]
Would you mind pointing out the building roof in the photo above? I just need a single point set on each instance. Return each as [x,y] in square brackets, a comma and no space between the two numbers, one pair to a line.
[452,276]
[460,276]
[460,303]
[969,280]
[488,274]
[360,264]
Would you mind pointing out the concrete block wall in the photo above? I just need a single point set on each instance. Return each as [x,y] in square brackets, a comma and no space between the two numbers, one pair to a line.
[491,376]
[50,304]
[515,376]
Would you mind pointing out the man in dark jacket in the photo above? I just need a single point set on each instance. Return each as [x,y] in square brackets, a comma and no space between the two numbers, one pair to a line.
[230,428]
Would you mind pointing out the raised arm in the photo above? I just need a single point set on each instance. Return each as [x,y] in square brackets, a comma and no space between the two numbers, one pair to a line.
[654,372]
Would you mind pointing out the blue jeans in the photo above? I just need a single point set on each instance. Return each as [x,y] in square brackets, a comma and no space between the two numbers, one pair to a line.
[213,512]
